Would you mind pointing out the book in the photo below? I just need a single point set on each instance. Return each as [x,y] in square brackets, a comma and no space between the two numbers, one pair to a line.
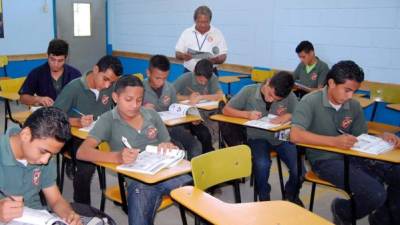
[150,161]
[36,217]
[203,103]
[177,110]
[264,122]
[88,128]
[199,54]
[372,144]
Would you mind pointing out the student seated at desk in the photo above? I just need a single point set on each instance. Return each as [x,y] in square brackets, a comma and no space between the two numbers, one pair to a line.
[330,117]
[195,86]
[311,71]
[84,99]
[141,127]
[26,167]
[44,83]
[254,101]
[159,95]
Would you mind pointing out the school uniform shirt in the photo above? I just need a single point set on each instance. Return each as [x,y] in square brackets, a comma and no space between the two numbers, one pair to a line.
[78,95]
[187,82]
[315,77]
[20,180]
[250,99]
[212,42]
[111,128]
[39,81]
[161,103]
[315,114]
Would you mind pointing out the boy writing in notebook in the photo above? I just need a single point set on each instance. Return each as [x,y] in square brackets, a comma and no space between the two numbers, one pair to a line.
[195,86]
[273,96]
[330,117]
[159,95]
[84,99]
[26,167]
[141,127]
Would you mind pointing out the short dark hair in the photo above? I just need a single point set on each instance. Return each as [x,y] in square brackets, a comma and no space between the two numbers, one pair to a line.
[57,47]
[282,82]
[160,62]
[345,70]
[127,81]
[305,46]
[203,10]
[49,122]
[204,68]
[110,62]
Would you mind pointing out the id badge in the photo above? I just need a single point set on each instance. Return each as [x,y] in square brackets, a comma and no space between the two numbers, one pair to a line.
[283,135]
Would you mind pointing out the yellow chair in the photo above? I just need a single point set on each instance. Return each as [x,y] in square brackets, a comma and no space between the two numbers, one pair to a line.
[260,75]
[4,63]
[11,85]
[9,89]
[219,166]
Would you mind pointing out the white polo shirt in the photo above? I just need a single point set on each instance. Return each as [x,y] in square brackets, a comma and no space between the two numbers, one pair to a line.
[212,41]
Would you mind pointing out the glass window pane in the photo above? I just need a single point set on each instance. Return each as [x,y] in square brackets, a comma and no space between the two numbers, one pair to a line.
[82,19]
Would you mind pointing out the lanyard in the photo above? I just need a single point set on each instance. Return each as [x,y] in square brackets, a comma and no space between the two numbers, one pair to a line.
[198,43]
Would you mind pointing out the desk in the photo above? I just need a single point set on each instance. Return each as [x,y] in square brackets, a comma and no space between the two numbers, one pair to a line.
[242,121]
[8,96]
[78,133]
[376,128]
[229,80]
[364,102]
[254,213]
[179,121]
[394,106]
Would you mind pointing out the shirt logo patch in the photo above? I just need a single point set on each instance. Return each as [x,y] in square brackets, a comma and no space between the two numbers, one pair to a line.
[151,132]
[346,122]
[105,99]
[314,76]
[36,176]
[281,110]
[210,39]
[166,100]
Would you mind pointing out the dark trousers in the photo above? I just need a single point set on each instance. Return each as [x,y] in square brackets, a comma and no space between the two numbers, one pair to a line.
[203,135]
[185,140]
[366,178]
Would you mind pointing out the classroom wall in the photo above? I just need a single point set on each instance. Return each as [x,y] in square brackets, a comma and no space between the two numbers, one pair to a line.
[266,32]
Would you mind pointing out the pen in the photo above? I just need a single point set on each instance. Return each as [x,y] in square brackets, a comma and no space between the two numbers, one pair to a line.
[77,111]
[341,131]
[6,195]
[126,143]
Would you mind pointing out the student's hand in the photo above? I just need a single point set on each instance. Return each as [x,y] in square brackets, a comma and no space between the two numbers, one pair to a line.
[45,101]
[165,147]
[10,209]
[86,120]
[186,56]
[194,98]
[254,115]
[345,141]
[149,106]
[73,219]
[128,155]
[281,119]
[392,138]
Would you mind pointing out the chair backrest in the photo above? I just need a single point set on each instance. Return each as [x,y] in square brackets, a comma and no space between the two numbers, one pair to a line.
[3,60]
[260,74]
[221,165]
[139,75]
[389,93]
[104,147]
[12,85]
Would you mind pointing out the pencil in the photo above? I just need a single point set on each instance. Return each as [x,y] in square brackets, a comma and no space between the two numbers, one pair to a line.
[77,111]
[6,195]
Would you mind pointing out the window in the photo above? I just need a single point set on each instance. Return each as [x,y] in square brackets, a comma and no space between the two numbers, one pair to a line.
[82,21]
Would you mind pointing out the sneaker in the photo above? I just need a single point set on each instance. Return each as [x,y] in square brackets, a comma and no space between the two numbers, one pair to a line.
[336,219]
[296,200]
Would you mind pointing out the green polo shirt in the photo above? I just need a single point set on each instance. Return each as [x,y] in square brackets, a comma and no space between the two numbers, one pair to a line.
[314,78]
[249,98]
[188,80]
[20,180]
[168,96]
[77,94]
[110,128]
[315,114]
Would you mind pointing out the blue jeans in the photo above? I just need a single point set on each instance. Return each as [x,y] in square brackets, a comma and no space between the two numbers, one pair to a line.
[366,178]
[260,151]
[144,199]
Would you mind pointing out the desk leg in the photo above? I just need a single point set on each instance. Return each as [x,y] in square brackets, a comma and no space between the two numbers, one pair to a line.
[7,111]
[348,190]
[229,88]
[220,140]
[122,190]
[375,107]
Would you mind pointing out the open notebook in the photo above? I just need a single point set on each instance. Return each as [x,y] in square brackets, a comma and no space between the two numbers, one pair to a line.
[176,111]
[150,161]
[36,217]
[264,122]
[202,103]
[88,128]
[372,145]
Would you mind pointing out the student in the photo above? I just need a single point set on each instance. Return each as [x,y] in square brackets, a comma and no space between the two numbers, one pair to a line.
[311,71]
[159,95]
[201,37]
[141,127]
[44,83]
[85,99]
[254,101]
[195,86]
[330,117]
[26,166]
